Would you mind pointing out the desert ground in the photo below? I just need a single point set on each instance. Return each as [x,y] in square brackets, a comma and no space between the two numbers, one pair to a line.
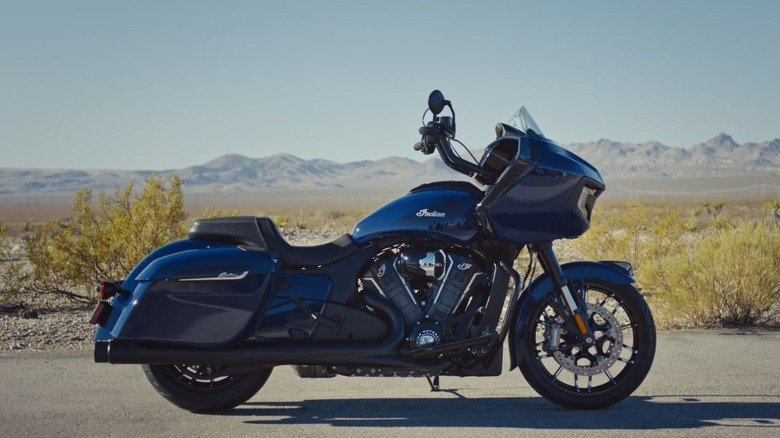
[359,202]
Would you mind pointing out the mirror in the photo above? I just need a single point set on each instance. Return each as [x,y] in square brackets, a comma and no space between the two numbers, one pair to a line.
[436,102]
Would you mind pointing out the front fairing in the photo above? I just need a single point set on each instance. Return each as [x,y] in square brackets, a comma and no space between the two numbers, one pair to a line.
[544,192]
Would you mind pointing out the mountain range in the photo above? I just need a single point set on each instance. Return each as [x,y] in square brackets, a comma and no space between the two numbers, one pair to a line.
[231,173]
[719,156]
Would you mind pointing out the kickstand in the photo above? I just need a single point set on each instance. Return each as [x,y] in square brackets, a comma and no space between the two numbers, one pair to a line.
[434,383]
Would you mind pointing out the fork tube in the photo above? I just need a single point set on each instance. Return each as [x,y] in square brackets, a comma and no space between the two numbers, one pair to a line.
[550,264]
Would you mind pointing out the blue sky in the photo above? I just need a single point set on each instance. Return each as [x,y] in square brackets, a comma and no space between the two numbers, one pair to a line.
[168,84]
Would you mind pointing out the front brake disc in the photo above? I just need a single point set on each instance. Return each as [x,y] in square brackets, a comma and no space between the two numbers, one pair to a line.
[600,356]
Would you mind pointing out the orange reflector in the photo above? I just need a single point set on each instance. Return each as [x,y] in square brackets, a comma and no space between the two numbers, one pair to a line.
[581,324]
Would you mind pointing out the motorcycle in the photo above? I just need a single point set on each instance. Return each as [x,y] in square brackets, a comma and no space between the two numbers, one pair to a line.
[423,286]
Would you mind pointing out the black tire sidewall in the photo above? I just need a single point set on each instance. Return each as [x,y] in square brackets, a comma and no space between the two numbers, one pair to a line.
[244,386]
[646,341]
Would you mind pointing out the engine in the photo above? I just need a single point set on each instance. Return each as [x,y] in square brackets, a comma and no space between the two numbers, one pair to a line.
[426,286]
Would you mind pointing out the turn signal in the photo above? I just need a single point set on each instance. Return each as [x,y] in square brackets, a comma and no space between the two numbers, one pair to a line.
[581,324]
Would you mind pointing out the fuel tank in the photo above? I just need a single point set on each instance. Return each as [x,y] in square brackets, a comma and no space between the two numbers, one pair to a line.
[442,211]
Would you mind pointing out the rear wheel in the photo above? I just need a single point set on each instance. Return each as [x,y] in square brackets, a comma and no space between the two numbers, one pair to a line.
[206,388]
[565,371]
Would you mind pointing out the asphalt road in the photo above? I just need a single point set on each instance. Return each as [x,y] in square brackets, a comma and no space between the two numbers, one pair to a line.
[703,383]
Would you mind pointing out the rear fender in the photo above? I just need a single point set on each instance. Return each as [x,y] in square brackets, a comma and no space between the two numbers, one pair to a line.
[191,292]
[614,272]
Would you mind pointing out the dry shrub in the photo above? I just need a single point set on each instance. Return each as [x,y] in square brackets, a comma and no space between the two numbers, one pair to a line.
[722,271]
[11,268]
[730,277]
[104,242]
[208,213]
[636,233]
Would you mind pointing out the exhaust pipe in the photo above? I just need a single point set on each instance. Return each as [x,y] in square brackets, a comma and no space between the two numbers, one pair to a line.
[333,353]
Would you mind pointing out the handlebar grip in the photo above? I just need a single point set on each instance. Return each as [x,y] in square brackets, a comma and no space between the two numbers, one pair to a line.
[429,130]
[424,147]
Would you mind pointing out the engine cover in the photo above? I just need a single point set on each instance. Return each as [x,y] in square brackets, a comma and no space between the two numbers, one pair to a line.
[425,334]
[425,285]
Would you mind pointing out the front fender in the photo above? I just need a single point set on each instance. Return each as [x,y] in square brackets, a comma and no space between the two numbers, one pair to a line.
[538,288]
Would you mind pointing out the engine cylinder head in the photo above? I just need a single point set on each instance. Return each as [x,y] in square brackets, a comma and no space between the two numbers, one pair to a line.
[390,283]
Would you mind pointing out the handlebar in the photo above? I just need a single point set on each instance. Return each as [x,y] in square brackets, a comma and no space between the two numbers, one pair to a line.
[437,133]
[436,138]
[452,160]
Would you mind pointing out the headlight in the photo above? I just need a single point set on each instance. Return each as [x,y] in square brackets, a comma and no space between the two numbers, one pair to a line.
[585,202]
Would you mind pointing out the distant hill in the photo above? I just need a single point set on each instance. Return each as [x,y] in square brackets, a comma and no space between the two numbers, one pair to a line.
[232,173]
[720,155]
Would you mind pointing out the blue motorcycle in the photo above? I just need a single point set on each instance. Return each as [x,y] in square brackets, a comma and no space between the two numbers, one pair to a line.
[424,286]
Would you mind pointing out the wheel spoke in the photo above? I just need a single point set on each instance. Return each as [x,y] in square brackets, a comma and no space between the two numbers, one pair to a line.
[576,383]
[611,379]
[557,373]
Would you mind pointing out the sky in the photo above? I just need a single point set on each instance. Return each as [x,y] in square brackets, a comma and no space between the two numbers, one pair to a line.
[154,85]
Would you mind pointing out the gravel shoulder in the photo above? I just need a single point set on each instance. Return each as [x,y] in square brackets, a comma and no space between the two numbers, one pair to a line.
[65,330]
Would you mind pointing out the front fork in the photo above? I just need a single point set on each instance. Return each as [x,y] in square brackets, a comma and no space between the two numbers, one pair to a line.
[575,310]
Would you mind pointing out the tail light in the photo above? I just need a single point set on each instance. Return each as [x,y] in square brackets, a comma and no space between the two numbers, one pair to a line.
[108,289]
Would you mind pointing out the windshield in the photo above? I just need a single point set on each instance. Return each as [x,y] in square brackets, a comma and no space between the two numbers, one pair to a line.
[523,121]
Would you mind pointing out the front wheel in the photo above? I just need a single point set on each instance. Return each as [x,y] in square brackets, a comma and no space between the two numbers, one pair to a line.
[570,374]
[206,388]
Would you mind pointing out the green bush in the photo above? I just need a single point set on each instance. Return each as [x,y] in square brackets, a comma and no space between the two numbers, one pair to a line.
[103,242]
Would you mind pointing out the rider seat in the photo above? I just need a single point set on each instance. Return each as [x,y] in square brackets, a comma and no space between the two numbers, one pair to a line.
[260,233]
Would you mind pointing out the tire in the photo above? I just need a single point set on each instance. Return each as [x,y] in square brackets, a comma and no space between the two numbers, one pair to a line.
[607,372]
[206,388]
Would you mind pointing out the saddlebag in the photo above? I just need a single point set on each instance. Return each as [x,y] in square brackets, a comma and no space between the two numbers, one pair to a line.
[203,297]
